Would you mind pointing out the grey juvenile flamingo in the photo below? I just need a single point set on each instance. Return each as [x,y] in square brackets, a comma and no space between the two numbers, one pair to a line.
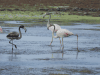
[15,35]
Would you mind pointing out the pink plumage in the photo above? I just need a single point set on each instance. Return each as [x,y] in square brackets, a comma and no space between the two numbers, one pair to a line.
[1,29]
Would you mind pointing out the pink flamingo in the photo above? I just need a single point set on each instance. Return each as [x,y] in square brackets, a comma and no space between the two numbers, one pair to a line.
[63,33]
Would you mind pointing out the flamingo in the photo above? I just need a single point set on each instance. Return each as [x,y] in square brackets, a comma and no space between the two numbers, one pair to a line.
[1,29]
[50,27]
[15,35]
[63,33]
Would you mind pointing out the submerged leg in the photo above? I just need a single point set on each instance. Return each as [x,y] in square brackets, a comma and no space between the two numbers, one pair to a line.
[51,40]
[60,40]
[12,45]
[77,43]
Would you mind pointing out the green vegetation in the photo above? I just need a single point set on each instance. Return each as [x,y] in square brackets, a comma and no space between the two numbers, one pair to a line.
[19,15]
[57,6]
[32,14]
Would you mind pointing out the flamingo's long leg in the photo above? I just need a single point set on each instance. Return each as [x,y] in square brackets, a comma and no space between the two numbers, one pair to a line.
[12,44]
[77,43]
[51,40]
[60,40]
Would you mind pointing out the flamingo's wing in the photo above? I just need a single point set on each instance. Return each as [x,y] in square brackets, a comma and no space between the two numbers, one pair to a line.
[57,27]
[67,31]
[13,34]
[62,32]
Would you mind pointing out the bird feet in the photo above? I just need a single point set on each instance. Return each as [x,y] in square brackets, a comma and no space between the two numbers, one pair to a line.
[15,46]
[50,43]
[62,46]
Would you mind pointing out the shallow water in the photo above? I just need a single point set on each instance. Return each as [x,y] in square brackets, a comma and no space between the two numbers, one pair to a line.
[34,55]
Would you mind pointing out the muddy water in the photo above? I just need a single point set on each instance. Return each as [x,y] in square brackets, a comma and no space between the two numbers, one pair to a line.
[34,55]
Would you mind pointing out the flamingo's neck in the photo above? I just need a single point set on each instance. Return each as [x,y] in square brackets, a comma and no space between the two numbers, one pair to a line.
[20,33]
[49,19]
[53,33]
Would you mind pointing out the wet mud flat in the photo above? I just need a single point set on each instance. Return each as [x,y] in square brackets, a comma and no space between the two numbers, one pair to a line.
[34,55]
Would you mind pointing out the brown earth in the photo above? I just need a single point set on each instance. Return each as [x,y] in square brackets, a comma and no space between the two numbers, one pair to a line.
[8,3]
[75,5]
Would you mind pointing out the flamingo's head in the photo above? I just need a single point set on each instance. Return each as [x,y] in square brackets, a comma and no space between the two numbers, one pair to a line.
[47,13]
[22,26]
[44,15]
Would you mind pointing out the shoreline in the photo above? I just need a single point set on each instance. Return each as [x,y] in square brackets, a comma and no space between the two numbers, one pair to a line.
[29,16]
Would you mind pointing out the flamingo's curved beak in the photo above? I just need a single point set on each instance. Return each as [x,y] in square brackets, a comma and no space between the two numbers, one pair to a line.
[44,15]
[25,29]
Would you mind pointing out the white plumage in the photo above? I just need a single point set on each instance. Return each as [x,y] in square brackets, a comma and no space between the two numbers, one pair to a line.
[51,26]
[63,33]
[55,28]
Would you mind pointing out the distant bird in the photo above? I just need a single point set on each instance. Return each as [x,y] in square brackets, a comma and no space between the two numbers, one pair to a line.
[50,27]
[1,30]
[63,33]
[15,35]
